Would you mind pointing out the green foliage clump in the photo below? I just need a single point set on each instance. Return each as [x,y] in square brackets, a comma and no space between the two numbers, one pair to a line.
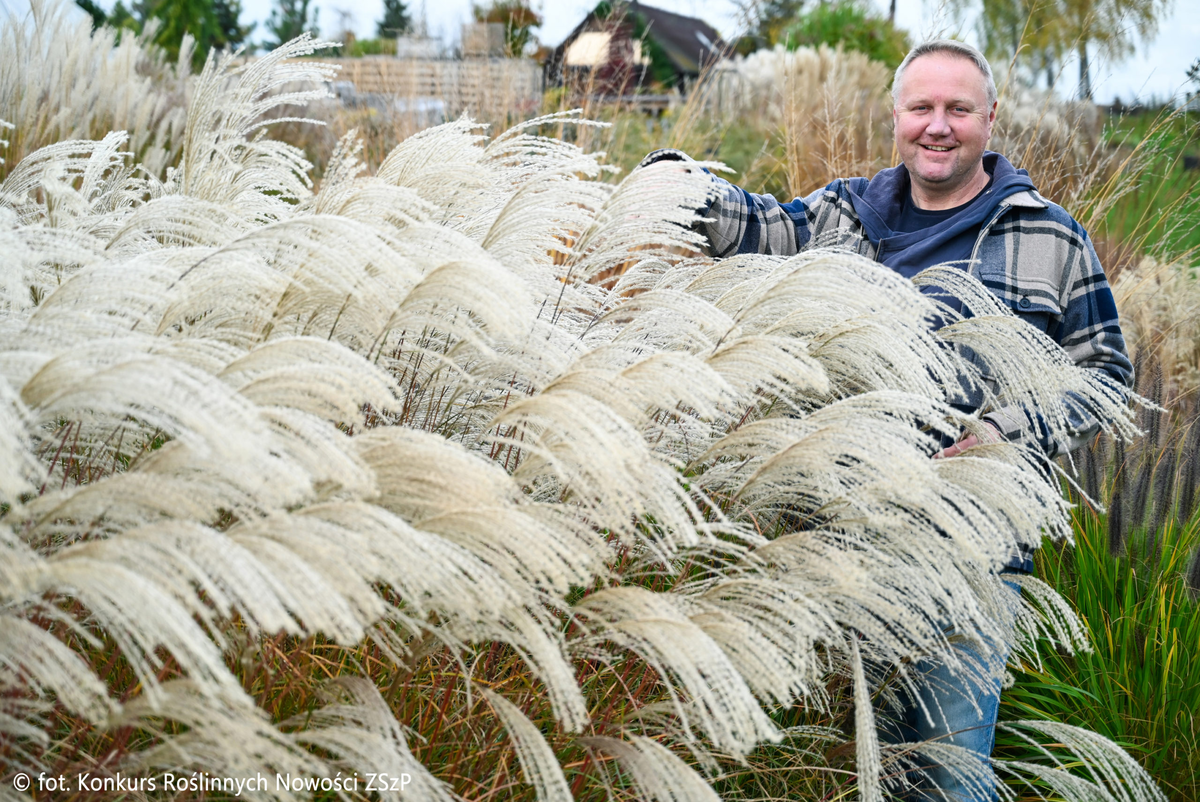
[382,46]
[852,25]
[1160,212]
[1140,683]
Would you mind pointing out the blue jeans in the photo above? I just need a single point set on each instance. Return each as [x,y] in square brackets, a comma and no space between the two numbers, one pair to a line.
[961,711]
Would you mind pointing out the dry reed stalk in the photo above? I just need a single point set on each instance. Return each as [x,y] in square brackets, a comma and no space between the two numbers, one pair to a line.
[833,109]
[1159,302]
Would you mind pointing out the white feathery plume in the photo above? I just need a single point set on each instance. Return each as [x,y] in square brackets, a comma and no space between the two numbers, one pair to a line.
[604,466]
[707,690]
[657,772]
[201,746]
[321,452]
[345,192]
[861,321]
[219,163]
[471,599]
[31,657]
[776,366]
[37,260]
[174,221]
[1033,371]
[120,501]
[19,470]
[307,374]
[443,166]
[646,216]
[538,761]
[326,568]
[137,613]
[107,300]
[1045,615]
[103,385]
[98,167]
[866,739]
[1004,482]
[536,190]
[359,729]
[666,319]
[1114,775]
[768,629]
[543,216]
[963,764]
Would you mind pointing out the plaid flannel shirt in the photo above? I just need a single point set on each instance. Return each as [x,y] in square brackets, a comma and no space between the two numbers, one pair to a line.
[1030,254]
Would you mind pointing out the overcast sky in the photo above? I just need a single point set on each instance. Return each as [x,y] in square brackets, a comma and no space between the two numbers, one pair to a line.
[1157,69]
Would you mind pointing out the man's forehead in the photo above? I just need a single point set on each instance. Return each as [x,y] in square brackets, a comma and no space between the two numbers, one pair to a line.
[957,65]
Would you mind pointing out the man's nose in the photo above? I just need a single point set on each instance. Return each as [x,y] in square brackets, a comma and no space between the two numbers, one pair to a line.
[939,123]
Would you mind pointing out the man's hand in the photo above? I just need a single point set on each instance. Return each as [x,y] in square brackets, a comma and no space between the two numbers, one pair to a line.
[967,441]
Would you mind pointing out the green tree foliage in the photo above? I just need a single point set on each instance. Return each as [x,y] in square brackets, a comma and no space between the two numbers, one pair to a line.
[766,22]
[1029,28]
[212,23]
[179,17]
[98,15]
[852,25]
[1041,32]
[229,23]
[518,19]
[289,19]
[396,20]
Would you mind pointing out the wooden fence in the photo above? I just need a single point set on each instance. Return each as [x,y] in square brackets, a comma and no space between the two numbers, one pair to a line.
[485,88]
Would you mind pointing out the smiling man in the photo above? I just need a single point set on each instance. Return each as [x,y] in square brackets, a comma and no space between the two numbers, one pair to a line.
[950,201]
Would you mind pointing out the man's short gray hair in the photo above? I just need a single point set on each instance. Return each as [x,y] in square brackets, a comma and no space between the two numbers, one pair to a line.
[953,48]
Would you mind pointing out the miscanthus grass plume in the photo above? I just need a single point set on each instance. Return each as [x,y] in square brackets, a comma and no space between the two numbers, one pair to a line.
[390,434]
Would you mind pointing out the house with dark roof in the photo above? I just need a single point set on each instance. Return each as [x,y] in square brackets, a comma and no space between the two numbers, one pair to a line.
[624,47]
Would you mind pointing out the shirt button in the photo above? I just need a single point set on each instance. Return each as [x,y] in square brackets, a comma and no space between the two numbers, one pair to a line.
[1024,304]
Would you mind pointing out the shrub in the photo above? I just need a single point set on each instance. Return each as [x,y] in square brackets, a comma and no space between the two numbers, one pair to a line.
[850,25]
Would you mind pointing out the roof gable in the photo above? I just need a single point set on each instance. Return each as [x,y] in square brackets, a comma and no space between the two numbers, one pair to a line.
[690,44]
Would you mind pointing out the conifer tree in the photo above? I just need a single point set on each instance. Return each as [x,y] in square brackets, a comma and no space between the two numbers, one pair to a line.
[396,20]
[289,19]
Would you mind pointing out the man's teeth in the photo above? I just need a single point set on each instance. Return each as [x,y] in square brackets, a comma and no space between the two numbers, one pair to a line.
[938,148]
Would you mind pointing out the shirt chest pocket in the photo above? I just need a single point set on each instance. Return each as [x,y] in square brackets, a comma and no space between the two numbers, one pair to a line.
[1038,310]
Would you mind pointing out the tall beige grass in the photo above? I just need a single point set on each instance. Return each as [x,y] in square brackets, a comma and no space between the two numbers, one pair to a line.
[60,81]
[832,107]
[375,478]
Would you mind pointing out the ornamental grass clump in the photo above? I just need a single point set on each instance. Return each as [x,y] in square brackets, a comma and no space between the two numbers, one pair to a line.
[60,80]
[376,479]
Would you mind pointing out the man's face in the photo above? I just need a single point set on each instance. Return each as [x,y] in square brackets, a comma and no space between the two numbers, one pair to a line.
[942,122]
